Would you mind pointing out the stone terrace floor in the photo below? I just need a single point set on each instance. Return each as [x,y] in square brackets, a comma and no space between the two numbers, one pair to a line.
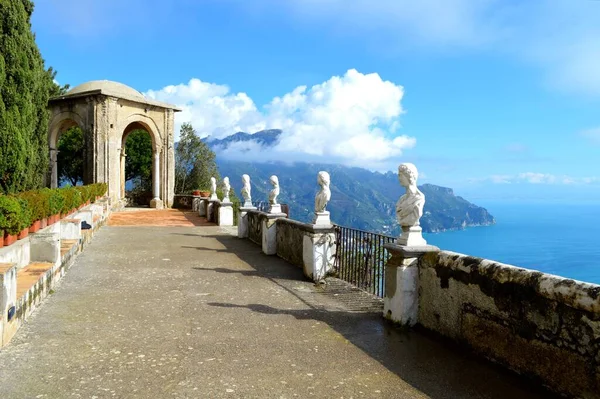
[194,312]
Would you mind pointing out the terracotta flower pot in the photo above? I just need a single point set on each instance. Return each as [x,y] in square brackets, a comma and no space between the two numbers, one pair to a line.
[2,240]
[43,223]
[56,217]
[24,233]
[196,192]
[35,226]
[204,193]
[9,239]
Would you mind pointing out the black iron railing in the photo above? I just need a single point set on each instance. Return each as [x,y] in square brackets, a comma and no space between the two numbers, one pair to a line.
[360,258]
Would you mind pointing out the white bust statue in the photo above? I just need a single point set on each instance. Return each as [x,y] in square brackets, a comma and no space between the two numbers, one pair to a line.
[246,191]
[275,191]
[409,207]
[324,195]
[226,189]
[213,189]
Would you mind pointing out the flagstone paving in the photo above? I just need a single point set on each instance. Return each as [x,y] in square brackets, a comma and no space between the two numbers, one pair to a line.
[194,312]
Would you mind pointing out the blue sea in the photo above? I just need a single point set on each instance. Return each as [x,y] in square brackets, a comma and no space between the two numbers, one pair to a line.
[555,238]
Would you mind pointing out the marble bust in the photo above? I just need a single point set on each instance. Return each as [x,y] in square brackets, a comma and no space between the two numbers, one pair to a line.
[226,189]
[275,191]
[246,191]
[409,207]
[324,194]
[213,189]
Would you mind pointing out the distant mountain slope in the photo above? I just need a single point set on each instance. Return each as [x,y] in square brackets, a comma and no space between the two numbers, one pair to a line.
[360,198]
[264,137]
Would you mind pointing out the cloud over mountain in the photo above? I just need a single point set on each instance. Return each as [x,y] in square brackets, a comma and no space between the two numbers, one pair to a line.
[352,118]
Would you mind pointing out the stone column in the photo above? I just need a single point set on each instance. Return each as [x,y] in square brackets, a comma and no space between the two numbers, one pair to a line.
[53,168]
[243,220]
[156,201]
[123,178]
[401,301]
[269,232]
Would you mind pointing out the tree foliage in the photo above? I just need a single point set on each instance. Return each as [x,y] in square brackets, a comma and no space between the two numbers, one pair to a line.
[138,164]
[194,162]
[25,86]
[70,156]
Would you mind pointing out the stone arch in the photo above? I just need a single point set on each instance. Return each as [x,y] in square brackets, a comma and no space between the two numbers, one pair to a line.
[106,111]
[61,122]
[131,123]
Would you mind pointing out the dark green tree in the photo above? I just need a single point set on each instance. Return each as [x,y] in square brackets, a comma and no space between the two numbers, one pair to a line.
[25,86]
[194,162]
[70,156]
[138,164]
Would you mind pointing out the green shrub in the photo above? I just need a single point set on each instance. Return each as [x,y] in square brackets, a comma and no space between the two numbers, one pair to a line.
[26,213]
[37,203]
[11,215]
[55,200]
[98,190]
[72,198]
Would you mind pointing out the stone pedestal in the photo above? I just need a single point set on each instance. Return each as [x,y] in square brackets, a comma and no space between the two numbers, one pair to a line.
[318,252]
[45,247]
[243,221]
[8,301]
[275,209]
[195,203]
[322,219]
[225,217]
[269,233]
[210,211]
[70,229]
[202,202]
[401,301]
[411,237]
[156,203]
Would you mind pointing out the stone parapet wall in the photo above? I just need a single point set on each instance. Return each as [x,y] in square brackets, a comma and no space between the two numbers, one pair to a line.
[536,324]
[290,237]
[255,219]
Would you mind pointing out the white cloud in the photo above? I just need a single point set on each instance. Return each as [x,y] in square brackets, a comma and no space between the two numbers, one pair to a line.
[211,108]
[351,118]
[537,178]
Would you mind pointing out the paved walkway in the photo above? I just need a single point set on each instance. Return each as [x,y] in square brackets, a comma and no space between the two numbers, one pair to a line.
[193,312]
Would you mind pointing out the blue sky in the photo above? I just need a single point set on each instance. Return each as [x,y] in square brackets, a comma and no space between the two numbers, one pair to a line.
[498,99]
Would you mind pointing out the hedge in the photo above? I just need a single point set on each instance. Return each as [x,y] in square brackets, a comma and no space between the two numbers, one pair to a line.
[19,211]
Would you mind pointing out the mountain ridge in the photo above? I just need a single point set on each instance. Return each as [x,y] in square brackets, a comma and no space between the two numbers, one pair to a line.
[359,198]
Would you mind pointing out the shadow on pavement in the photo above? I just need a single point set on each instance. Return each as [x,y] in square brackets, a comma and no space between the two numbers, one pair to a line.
[435,367]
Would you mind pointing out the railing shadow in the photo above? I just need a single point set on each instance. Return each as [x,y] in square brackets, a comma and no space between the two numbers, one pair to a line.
[431,366]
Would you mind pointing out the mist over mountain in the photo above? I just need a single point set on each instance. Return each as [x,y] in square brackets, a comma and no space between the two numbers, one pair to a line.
[359,198]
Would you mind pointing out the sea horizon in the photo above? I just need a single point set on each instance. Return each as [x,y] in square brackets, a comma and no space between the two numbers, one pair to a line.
[553,236]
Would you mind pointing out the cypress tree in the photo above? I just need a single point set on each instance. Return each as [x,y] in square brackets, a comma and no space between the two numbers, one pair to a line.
[25,86]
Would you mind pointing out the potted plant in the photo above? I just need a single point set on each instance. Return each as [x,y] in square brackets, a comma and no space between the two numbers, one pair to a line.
[11,221]
[25,220]
[36,203]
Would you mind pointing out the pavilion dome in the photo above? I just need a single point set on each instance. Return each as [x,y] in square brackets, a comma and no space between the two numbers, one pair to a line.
[106,87]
